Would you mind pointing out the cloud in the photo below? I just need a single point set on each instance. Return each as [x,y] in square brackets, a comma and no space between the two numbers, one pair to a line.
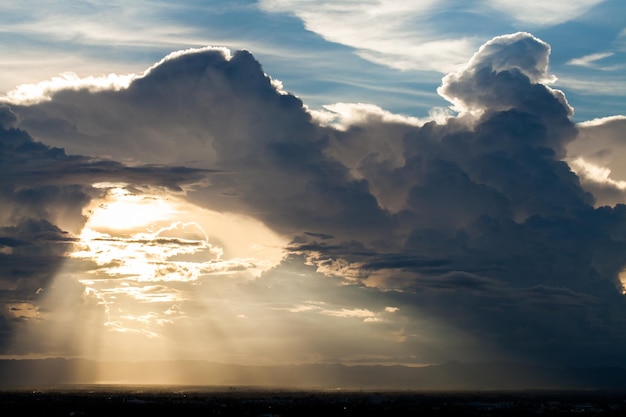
[37,176]
[474,226]
[589,60]
[47,39]
[540,13]
[493,76]
[399,35]
[593,85]
[596,156]
[33,93]
[343,115]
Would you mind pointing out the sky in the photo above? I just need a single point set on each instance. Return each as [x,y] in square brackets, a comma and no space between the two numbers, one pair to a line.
[288,182]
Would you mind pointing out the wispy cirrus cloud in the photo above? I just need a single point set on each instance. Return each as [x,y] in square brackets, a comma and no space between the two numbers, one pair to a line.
[541,13]
[590,60]
[590,85]
[398,34]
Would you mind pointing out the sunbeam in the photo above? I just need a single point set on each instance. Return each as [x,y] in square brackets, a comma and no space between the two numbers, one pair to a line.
[135,278]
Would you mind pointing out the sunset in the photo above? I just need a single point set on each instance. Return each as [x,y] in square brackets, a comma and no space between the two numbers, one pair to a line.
[338,195]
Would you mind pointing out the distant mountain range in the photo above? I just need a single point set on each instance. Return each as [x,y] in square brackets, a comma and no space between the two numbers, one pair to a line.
[447,376]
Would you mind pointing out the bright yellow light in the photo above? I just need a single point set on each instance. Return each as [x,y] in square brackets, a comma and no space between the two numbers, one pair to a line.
[122,210]
[137,237]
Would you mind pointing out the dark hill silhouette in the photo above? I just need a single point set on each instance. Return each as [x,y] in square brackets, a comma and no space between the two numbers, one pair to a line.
[448,376]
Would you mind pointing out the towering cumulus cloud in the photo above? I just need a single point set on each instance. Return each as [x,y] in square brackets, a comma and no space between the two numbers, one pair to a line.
[469,238]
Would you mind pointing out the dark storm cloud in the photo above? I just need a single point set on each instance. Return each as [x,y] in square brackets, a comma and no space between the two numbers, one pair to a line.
[489,193]
[30,253]
[476,223]
[33,199]
[43,182]
[36,248]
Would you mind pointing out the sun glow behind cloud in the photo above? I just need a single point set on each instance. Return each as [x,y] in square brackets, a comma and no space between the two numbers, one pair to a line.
[147,252]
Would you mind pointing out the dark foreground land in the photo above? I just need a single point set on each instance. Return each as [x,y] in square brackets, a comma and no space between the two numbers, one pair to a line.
[194,401]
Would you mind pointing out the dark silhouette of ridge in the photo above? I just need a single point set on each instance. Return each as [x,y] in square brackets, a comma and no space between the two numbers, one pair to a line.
[448,376]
